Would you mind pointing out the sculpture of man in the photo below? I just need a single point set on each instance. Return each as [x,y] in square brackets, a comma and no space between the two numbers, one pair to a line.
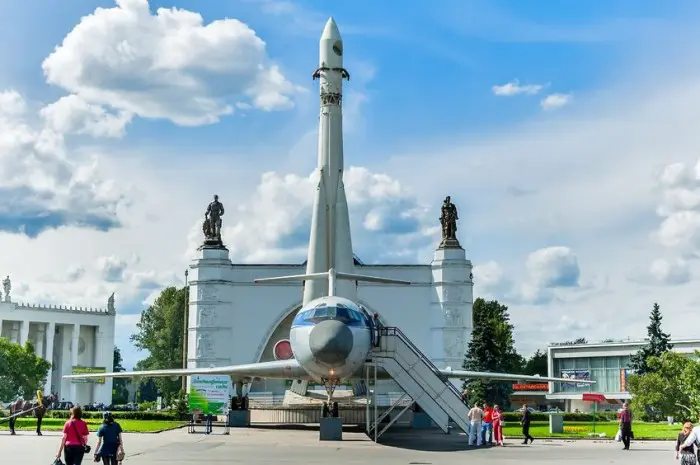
[449,219]
[7,287]
[214,212]
[110,303]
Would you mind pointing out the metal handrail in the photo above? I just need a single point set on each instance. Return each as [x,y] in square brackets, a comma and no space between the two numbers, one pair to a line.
[393,330]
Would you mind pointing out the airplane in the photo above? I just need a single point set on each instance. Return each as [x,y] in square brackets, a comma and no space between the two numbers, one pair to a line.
[332,335]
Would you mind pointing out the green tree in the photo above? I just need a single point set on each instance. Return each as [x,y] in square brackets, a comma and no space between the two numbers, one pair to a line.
[537,364]
[160,332]
[120,393]
[22,372]
[659,343]
[670,387]
[492,349]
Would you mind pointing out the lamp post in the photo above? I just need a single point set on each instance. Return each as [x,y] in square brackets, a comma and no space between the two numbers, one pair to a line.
[184,330]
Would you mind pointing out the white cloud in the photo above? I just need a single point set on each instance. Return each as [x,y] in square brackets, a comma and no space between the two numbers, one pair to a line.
[514,88]
[680,208]
[566,323]
[670,272]
[554,101]
[42,184]
[553,267]
[164,65]
[489,279]
[378,205]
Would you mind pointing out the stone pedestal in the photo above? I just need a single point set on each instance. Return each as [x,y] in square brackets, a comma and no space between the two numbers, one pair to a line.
[239,418]
[208,341]
[556,423]
[451,308]
[331,429]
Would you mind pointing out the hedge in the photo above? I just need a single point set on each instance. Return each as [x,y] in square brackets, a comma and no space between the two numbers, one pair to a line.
[170,416]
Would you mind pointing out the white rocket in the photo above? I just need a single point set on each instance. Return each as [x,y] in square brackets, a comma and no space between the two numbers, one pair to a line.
[330,244]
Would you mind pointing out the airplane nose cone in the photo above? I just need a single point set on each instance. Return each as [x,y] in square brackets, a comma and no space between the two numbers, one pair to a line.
[331,342]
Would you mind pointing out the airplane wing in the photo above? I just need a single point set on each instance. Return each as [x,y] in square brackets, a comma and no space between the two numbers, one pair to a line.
[486,376]
[278,369]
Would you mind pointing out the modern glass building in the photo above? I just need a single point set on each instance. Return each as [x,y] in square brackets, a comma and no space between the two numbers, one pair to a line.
[606,363]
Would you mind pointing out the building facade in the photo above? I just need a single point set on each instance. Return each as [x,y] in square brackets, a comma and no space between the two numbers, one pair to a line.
[72,339]
[234,321]
[608,364]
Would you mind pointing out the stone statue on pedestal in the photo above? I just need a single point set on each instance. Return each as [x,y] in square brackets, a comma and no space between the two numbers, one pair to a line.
[212,224]
[110,303]
[448,220]
[7,287]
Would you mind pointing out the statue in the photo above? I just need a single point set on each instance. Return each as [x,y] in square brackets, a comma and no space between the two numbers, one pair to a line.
[212,223]
[110,303]
[7,287]
[448,220]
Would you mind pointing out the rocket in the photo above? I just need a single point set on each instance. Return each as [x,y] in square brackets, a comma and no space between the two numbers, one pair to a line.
[330,244]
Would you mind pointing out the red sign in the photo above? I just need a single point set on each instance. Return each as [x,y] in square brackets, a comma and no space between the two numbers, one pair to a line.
[531,387]
[594,398]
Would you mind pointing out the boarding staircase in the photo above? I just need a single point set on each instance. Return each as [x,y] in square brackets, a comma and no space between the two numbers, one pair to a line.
[419,378]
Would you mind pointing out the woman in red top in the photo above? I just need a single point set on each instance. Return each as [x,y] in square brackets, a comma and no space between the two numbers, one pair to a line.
[75,438]
[497,421]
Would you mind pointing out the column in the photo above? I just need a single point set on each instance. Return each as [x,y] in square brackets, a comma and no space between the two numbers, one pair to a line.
[50,333]
[98,351]
[39,347]
[75,342]
[24,333]
[0,327]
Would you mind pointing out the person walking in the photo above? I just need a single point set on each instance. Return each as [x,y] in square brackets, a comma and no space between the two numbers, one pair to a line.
[497,424]
[525,422]
[109,442]
[625,419]
[476,415]
[486,426]
[74,442]
[687,453]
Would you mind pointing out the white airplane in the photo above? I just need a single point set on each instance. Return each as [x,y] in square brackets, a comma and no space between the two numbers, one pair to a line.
[331,336]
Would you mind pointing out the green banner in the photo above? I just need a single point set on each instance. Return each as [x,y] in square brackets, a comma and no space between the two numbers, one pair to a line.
[78,370]
[209,394]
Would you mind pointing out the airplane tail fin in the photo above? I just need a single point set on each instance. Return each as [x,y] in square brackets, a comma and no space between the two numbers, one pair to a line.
[332,277]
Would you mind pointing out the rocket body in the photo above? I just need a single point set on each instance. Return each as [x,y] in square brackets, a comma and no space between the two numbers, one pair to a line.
[330,243]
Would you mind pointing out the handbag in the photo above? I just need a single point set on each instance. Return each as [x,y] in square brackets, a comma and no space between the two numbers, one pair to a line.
[58,461]
[85,446]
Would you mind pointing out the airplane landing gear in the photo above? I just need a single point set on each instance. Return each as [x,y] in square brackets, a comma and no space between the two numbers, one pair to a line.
[330,408]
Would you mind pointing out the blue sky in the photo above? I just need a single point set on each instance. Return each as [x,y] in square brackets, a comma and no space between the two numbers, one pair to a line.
[554,125]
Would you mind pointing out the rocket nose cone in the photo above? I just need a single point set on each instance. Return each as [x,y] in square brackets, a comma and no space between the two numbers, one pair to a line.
[331,30]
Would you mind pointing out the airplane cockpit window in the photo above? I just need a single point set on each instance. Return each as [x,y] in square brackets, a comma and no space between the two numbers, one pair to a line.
[348,316]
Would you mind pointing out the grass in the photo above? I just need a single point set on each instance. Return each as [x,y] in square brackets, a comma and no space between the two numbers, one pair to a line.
[540,429]
[129,426]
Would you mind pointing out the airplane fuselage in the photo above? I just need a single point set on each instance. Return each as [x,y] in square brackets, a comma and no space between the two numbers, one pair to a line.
[331,338]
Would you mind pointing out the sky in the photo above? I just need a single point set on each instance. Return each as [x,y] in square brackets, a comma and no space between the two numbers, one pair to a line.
[565,134]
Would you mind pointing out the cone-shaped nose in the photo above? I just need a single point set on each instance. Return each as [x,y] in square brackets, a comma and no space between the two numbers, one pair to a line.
[331,30]
[331,342]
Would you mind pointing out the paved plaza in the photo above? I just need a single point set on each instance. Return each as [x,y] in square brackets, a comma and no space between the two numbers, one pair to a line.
[272,446]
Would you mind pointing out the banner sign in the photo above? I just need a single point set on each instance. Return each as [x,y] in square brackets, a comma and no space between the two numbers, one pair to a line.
[624,374]
[209,394]
[531,387]
[78,370]
[574,375]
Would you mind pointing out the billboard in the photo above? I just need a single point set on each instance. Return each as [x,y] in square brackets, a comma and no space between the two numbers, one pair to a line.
[78,370]
[209,394]
[574,375]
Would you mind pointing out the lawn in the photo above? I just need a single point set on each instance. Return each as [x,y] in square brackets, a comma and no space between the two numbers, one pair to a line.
[540,429]
[129,426]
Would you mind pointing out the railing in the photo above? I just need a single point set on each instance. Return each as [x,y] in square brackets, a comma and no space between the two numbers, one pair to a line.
[394,331]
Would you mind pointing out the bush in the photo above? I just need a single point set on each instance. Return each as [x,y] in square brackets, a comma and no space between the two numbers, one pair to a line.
[574,417]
